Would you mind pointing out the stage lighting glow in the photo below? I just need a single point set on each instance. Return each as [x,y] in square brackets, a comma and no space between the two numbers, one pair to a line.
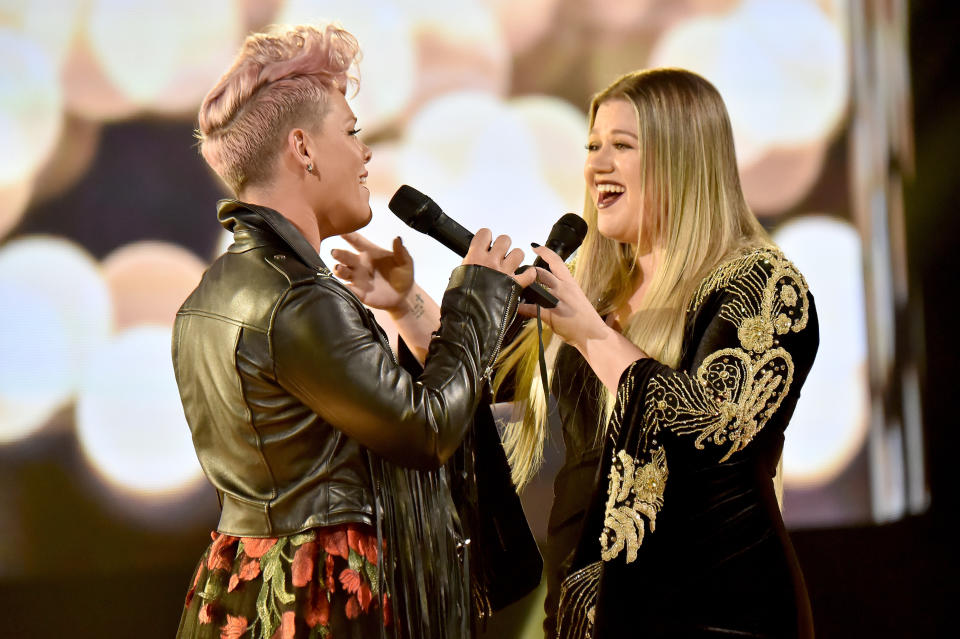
[829,426]
[524,23]
[781,177]
[130,421]
[31,105]
[13,201]
[149,281]
[70,159]
[56,314]
[33,18]
[258,13]
[386,37]
[193,44]
[33,381]
[618,15]
[479,160]
[781,67]
[560,131]
[460,48]
[87,90]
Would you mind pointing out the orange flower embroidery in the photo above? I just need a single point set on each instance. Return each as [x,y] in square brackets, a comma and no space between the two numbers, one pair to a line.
[249,570]
[257,547]
[350,580]
[355,540]
[302,568]
[206,613]
[328,566]
[221,555]
[234,627]
[335,543]
[353,608]
[318,612]
[288,628]
[370,550]
[386,610]
[364,596]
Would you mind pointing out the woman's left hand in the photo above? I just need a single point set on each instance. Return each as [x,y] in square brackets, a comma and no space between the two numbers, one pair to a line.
[380,278]
[573,319]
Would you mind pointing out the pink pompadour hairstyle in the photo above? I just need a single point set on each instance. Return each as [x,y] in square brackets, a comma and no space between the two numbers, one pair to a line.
[279,79]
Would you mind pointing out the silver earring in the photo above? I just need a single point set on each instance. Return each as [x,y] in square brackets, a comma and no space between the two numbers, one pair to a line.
[309,168]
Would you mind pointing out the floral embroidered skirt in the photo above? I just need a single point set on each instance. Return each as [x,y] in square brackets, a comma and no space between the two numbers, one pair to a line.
[318,584]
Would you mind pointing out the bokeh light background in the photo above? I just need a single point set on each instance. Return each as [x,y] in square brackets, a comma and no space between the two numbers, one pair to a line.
[107,221]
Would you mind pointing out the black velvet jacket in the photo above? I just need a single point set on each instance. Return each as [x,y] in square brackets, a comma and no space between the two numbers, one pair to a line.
[682,535]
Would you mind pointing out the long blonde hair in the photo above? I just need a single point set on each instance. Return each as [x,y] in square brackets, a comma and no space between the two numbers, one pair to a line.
[698,217]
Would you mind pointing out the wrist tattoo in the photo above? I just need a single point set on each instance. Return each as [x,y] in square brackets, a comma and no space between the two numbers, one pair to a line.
[417,306]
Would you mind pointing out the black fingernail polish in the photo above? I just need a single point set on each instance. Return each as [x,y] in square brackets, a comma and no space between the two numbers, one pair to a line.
[534,245]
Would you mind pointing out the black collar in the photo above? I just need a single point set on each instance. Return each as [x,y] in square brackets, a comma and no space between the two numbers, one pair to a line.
[230,211]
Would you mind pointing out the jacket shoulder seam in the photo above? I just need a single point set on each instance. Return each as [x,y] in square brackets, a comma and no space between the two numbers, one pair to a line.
[220,317]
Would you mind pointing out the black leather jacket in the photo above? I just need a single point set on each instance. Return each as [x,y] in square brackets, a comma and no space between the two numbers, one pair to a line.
[287,380]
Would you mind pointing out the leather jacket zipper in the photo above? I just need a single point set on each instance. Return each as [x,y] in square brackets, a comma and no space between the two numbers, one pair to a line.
[501,334]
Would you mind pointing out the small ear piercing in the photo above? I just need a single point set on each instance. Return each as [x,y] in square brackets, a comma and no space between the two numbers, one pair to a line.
[309,168]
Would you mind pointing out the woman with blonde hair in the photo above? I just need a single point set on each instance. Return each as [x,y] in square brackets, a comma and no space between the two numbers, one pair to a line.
[687,337]
[327,455]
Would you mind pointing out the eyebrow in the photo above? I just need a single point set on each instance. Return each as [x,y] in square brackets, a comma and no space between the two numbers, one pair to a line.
[620,131]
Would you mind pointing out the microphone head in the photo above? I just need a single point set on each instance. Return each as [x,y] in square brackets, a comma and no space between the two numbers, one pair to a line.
[567,235]
[414,208]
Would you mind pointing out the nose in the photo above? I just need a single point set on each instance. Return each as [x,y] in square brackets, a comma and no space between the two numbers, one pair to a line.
[599,161]
[367,153]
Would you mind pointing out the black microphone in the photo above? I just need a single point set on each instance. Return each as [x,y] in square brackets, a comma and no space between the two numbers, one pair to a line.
[565,237]
[419,212]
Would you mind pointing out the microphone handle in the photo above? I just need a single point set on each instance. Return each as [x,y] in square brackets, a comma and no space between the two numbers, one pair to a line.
[536,294]
[456,238]
[560,248]
[450,234]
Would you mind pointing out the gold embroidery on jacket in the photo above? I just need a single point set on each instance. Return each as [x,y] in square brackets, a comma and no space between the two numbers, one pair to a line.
[733,397]
[632,492]
[623,394]
[729,399]
[578,599]
[736,390]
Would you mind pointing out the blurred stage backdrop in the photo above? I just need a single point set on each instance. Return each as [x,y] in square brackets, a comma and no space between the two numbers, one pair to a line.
[107,221]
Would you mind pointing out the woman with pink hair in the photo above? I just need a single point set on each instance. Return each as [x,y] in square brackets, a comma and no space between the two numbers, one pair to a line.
[328,455]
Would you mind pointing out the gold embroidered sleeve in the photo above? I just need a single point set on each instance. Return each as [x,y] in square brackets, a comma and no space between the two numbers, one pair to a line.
[743,373]
[637,472]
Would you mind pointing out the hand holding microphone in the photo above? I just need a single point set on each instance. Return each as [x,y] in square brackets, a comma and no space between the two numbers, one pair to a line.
[423,214]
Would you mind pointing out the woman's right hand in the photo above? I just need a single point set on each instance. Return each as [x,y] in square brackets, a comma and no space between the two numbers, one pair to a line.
[496,256]
[577,323]
[574,318]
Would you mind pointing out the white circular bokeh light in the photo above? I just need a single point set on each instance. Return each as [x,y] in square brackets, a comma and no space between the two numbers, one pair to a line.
[31,105]
[829,426]
[780,65]
[172,65]
[130,420]
[56,314]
